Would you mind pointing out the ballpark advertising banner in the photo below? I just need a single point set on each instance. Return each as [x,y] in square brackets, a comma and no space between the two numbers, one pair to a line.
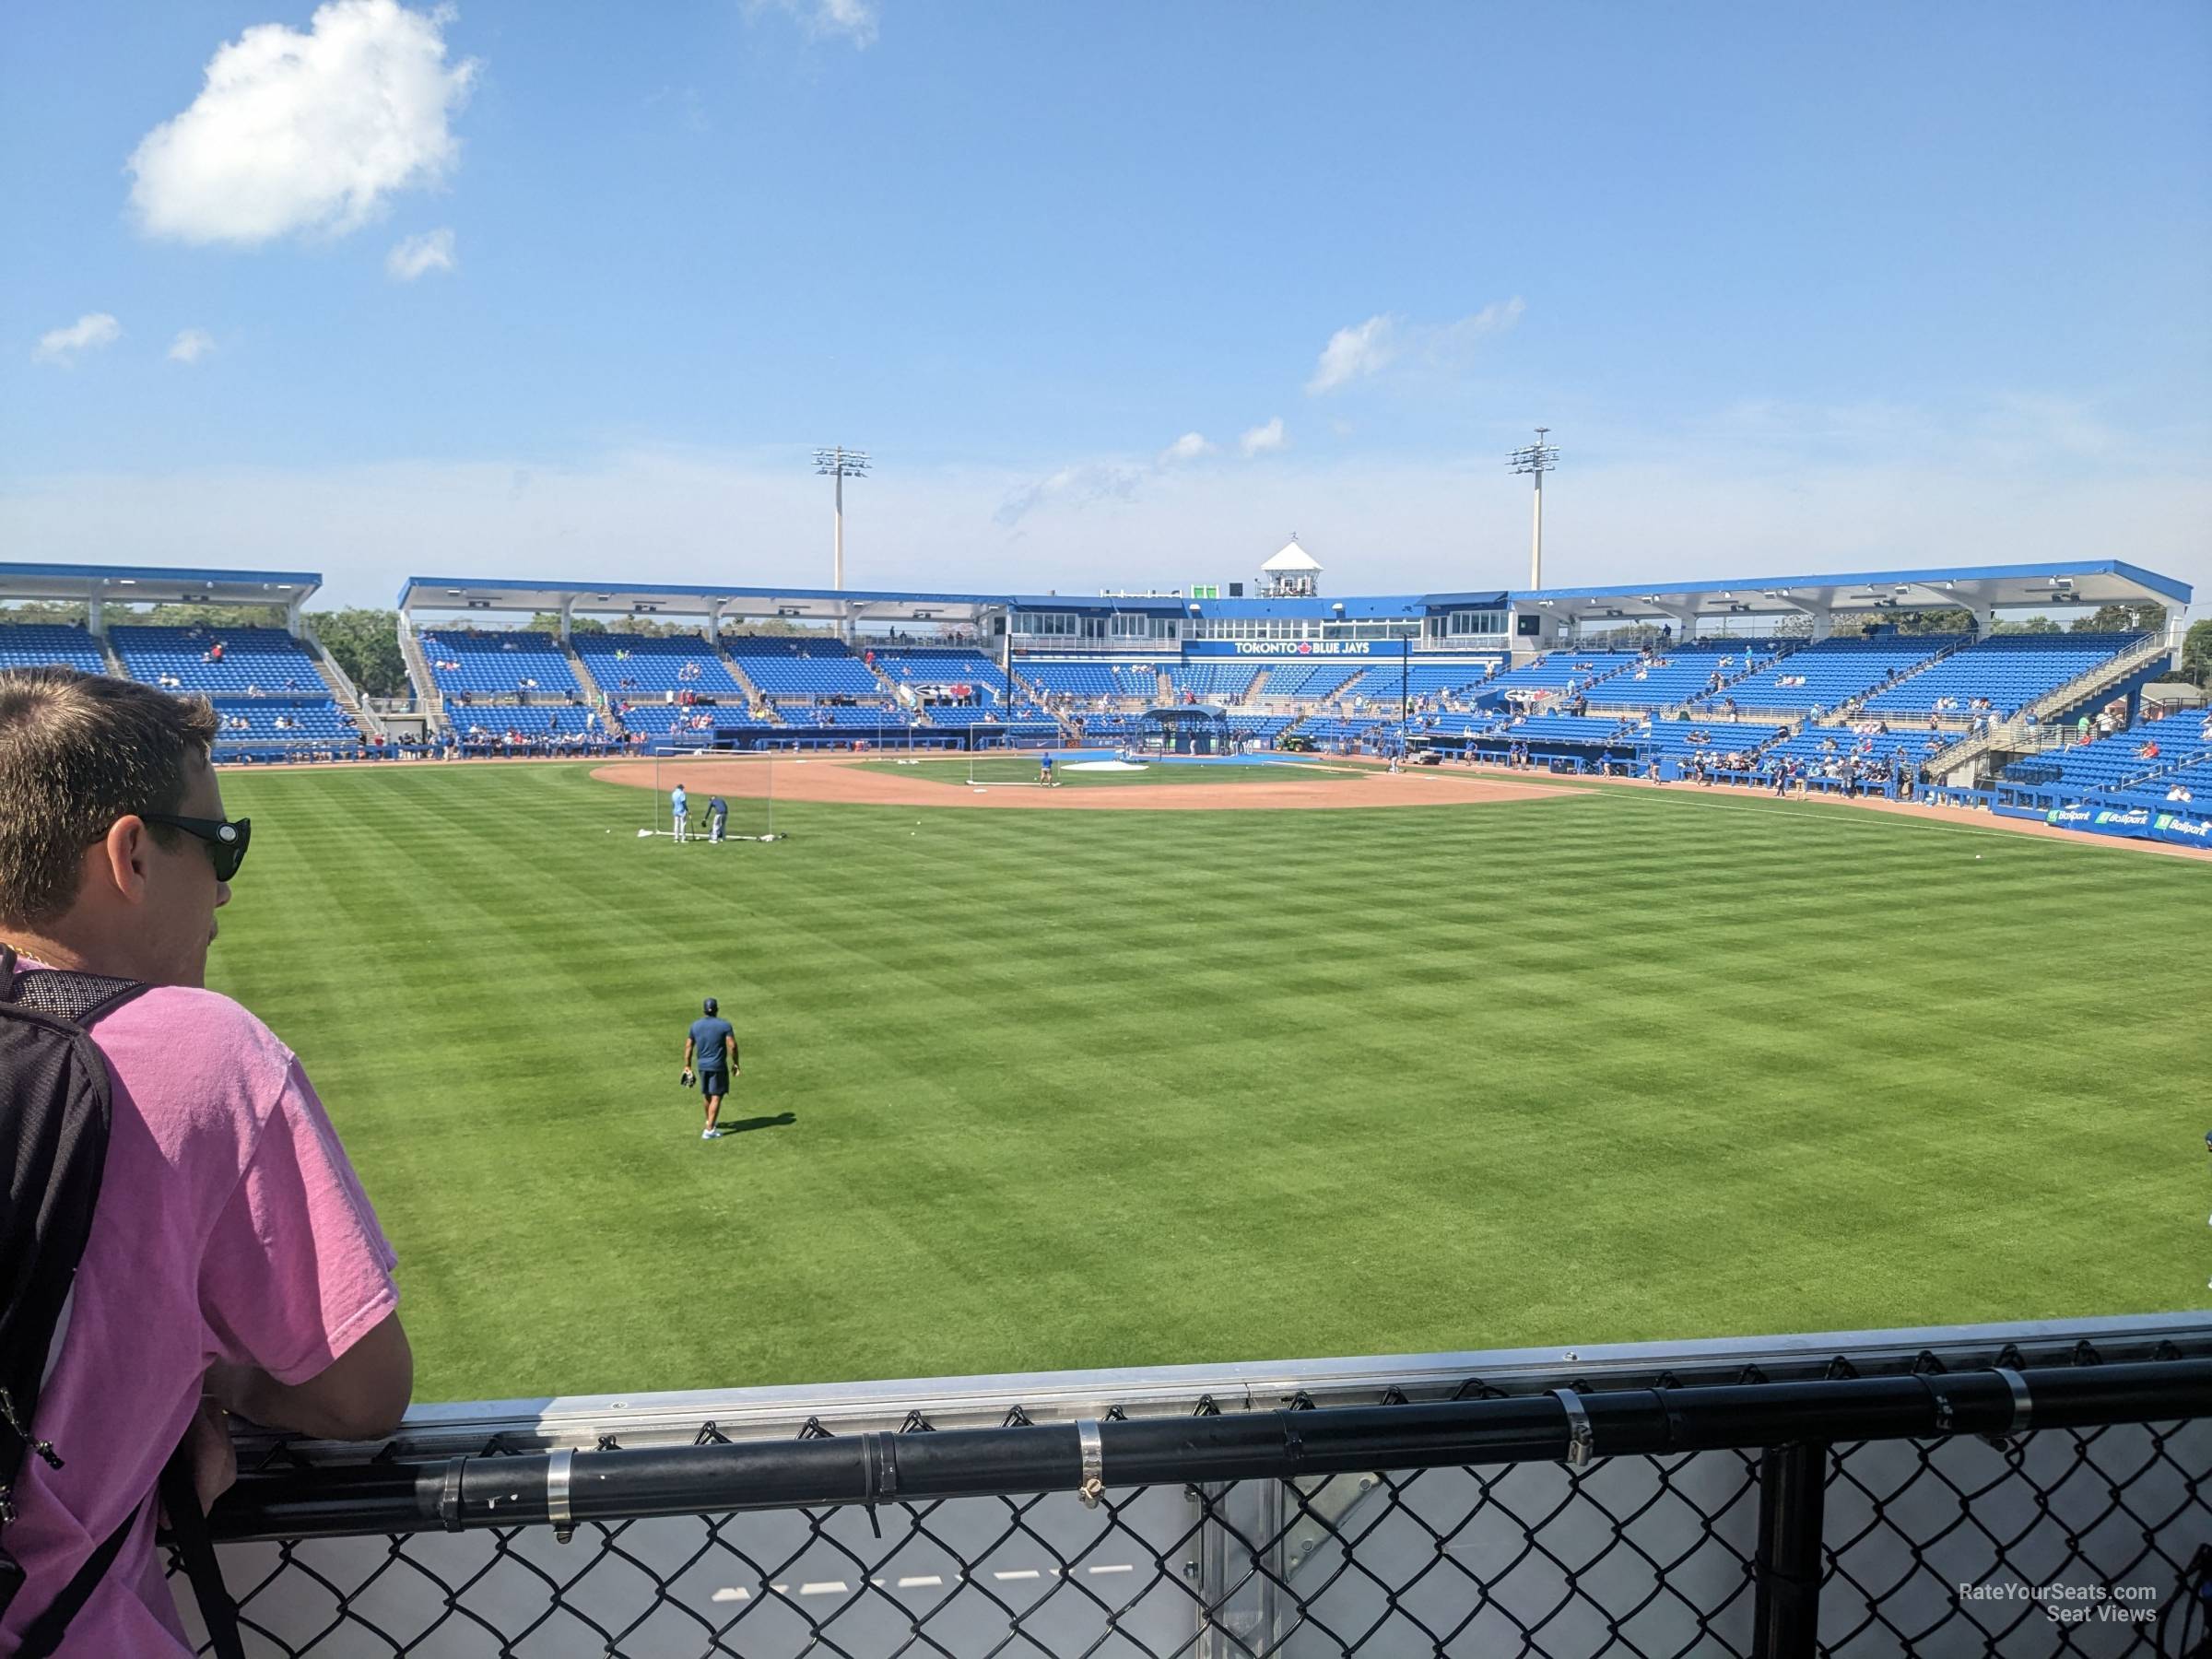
[1386,650]
[2138,823]
[1295,648]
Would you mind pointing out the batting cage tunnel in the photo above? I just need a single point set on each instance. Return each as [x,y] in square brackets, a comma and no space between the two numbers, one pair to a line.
[1185,729]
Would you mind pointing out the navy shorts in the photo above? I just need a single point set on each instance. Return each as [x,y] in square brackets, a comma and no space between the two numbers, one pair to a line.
[713,1081]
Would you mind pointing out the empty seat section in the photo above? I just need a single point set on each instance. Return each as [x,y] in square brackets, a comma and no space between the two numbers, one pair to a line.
[1091,680]
[2010,671]
[1210,682]
[801,668]
[1834,671]
[467,662]
[923,669]
[635,664]
[2117,762]
[217,659]
[1562,672]
[1680,675]
[1309,680]
[50,645]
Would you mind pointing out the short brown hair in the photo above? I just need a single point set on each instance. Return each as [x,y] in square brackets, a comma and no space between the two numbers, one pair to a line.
[78,751]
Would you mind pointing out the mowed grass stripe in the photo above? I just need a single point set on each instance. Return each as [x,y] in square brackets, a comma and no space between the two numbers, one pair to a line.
[1075,1089]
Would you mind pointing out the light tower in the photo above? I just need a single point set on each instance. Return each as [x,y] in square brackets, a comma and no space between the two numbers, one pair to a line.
[1538,459]
[840,464]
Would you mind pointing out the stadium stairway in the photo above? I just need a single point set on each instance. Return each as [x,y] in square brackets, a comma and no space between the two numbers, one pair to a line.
[2141,663]
[343,691]
[2116,676]
[113,659]
[427,695]
[591,693]
[754,700]
[1253,692]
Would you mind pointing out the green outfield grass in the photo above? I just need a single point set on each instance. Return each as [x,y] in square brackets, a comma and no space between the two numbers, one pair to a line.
[1054,1090]
[1009,771]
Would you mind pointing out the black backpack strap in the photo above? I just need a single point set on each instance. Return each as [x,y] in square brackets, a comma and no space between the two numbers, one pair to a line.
[46,1631]
[180,1497]
[188,1531]
[79,998]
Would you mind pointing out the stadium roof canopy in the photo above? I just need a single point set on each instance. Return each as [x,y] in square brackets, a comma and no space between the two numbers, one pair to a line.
[1977,587]
[466,592]
[135,585]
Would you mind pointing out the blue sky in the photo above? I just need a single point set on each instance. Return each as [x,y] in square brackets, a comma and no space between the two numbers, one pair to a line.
[1795,287]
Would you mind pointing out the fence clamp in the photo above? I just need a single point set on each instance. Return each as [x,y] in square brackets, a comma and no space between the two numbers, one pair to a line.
[448,1494]
[2023,1407]
[1094,1462]
[1582,1445]
[558,1468]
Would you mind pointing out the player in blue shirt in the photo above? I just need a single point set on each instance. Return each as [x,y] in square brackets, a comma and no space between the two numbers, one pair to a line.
[679,806]
[710,1054]
[718,815]
[1044,768]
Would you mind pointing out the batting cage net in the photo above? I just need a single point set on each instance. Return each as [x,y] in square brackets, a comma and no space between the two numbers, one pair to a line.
[744,784]
[2011,1490]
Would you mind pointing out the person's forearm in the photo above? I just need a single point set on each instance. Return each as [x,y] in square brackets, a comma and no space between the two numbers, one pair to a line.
[259,1398]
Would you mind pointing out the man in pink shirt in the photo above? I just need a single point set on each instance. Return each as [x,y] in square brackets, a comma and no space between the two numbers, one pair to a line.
[233,1253]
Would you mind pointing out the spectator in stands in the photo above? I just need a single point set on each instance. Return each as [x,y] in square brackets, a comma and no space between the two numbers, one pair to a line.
[270,1260]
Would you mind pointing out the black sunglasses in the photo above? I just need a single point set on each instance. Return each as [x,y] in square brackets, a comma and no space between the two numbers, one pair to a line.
[225,838]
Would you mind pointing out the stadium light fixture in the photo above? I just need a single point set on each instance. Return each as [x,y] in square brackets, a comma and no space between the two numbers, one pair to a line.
[1535,459]
[840,463]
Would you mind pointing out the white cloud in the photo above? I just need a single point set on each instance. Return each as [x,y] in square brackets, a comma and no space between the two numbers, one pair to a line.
[1076,486]
[853,19]
[1188,447]
[1366,349]
[1353,353]
[413,255]
[190,346]
[1263,439]
[311,131]
[88,333]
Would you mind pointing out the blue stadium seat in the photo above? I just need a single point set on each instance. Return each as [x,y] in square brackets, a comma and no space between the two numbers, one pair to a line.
[185,659]
[927,669]
[1682,673]
[1312,679]
[466,662]
[1564,672]
[2009,670]
[1832,672]
[648,665]
[802,667]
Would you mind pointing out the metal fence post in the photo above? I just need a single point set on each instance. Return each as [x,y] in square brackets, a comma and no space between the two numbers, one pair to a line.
[1793,1489]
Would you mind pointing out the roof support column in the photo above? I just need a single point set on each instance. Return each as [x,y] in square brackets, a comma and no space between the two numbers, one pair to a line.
[96,620]
[294,608]
[714,632]
[568,609]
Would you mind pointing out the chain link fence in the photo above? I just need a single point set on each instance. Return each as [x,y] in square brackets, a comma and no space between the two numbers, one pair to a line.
[1940,1493]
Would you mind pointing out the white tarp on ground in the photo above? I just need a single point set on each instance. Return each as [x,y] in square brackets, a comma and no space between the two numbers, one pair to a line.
[1103,766]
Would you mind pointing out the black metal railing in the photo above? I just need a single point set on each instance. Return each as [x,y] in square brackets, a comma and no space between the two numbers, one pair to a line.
[1870,1503]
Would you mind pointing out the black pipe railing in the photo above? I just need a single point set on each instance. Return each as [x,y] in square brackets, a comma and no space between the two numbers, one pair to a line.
[458,1493]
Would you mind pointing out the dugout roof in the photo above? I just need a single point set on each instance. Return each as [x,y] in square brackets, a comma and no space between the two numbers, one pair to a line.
[141,585]
[2087,583]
